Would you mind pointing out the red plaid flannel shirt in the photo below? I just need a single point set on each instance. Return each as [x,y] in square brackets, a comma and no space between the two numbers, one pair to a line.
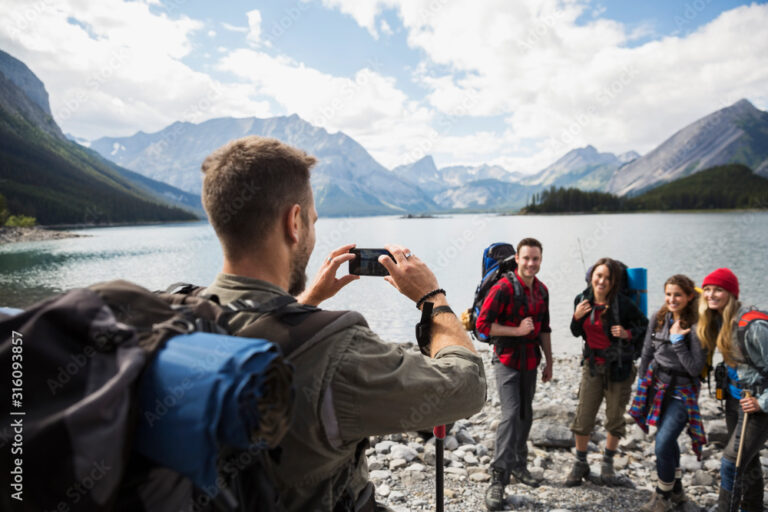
[498,307]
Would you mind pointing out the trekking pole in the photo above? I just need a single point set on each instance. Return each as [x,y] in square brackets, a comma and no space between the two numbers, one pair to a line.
[439,432]
[737,480]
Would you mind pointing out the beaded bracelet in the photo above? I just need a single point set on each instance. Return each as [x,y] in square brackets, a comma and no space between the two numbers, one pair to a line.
[429,295]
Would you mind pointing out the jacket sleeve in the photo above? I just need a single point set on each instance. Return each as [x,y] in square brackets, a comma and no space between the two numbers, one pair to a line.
[691,358]
[577,326]
[647,349]
[633,320]
[382,388]
[756,341]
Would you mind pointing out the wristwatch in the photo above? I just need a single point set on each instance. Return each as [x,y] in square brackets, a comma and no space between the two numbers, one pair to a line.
[442,309]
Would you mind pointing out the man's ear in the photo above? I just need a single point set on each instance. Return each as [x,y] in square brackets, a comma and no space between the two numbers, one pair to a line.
[293,223]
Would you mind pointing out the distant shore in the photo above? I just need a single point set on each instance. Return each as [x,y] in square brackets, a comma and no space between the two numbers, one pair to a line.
[13,235]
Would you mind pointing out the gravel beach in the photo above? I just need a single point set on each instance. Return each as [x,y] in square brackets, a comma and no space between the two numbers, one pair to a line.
[402,466]
[11,235]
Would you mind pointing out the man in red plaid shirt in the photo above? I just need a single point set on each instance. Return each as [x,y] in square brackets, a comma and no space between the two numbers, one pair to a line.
[515,315]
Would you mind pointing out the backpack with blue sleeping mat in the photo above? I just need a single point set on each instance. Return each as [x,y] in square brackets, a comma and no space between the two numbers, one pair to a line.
[498,260]
[126,399]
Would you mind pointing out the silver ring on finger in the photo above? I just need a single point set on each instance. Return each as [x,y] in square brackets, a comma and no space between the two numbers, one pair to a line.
[408,255]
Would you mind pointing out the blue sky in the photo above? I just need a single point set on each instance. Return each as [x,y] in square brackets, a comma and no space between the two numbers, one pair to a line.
[516,84]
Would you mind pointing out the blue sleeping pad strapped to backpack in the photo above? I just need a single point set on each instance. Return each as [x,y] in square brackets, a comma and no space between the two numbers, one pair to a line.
[637,283]
[201,393]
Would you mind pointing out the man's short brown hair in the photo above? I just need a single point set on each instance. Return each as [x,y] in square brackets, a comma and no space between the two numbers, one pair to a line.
[529,242]
[248,184]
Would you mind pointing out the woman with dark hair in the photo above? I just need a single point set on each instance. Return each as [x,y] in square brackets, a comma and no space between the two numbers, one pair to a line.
[612,327]
[668,390]
[741,336]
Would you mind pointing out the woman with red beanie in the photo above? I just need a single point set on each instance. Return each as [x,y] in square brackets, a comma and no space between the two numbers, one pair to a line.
[741,336]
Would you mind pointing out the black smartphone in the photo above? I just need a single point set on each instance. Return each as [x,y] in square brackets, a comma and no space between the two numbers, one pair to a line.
[366,262]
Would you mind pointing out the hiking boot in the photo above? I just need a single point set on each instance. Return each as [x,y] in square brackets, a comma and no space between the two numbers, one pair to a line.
[680,499]
[494,496]
[523,476]
[658,503]
[609,477]
[579,472]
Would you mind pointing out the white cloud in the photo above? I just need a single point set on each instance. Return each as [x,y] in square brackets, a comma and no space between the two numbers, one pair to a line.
[105,76]
[385,28]
[367,106]
[254,27]
[564,83]
[211,33]
[233,28]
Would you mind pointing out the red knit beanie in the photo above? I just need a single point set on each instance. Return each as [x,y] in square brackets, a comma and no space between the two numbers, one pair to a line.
[725,279]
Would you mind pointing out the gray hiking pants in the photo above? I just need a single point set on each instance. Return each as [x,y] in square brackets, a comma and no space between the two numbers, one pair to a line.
[512,434]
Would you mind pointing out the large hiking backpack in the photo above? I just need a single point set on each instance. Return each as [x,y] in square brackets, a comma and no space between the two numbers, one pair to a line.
[498,260]
[752,315]
[82,437]
[633,284]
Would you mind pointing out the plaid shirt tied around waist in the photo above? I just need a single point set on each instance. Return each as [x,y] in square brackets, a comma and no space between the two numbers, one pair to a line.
[648,413]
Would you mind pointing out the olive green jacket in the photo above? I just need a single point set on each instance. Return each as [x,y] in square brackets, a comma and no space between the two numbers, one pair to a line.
[351,385]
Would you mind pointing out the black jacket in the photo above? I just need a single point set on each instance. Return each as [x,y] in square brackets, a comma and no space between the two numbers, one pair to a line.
[629,317]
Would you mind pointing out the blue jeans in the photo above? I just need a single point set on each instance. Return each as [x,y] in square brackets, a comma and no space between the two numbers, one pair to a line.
[673,420]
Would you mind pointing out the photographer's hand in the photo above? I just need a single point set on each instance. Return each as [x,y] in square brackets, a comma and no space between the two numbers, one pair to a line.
[410,276]
[326,285]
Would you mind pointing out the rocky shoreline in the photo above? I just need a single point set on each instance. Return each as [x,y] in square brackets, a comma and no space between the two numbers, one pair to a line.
[12,235]
[402,466]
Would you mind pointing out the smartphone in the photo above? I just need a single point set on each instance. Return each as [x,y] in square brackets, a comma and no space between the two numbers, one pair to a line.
[366,262]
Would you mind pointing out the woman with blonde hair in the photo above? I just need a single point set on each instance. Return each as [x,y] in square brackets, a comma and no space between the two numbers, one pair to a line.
[741,336]
[668,389]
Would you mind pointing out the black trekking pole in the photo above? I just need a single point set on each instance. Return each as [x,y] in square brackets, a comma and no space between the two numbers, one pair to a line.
[439,432]
[738,481]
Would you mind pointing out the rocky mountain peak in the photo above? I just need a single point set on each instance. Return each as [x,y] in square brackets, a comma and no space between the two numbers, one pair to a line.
[23,78]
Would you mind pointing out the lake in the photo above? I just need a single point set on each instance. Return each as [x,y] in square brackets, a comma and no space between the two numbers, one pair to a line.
[666,244]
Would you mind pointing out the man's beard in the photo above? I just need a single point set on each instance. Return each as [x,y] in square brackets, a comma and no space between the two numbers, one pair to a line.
[299,271]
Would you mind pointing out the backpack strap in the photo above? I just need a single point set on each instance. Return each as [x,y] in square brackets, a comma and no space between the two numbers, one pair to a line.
[294,327]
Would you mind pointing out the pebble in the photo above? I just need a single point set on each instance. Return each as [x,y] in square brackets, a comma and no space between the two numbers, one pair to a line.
[403,452]
[479,477]
[380,474]
[396,464]
[451,443]
[702,478]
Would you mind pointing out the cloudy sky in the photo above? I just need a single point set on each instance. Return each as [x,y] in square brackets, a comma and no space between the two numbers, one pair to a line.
[511,83]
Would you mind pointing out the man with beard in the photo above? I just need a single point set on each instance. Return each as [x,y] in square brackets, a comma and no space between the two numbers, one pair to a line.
[515,316]
[349,383]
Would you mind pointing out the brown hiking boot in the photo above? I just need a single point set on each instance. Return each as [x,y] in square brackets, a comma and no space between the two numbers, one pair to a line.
[609,477]
[658,503]
[579,472]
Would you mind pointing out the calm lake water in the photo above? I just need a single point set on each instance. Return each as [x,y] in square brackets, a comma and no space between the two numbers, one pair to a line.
[666,244]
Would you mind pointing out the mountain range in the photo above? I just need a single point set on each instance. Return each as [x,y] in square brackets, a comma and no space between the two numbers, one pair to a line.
[164,167]
[348,181]
[46,176]
[734,134]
